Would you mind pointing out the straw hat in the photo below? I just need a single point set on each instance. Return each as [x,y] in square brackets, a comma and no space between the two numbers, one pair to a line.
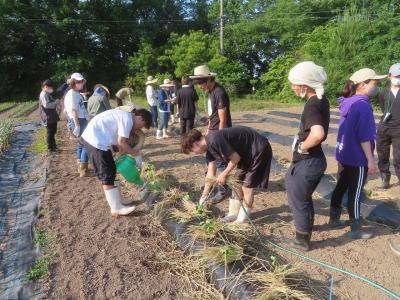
[103,87]
[167,83]
[364,75]
[202,72]
[151,80]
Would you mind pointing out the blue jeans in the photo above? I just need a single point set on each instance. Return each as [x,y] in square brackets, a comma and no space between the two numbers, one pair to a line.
[164,116]
[81,152]
[154,116]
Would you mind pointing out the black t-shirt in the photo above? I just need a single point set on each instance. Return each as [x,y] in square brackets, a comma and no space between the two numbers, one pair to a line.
[245,141]
[316,112]
[219,99]
[186,98]
[389,103]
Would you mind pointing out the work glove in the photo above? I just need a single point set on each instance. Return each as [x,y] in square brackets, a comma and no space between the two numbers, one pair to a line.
[202,200]
[76,131]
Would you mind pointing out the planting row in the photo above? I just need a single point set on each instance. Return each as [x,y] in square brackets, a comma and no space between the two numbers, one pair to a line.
[6,130]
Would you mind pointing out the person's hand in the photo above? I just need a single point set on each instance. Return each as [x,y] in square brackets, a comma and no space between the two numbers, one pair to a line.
[76,130]
[372,169]
[202,200]
[221,179]
[139,161]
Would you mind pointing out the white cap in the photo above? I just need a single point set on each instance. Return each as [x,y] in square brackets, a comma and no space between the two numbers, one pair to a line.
[77,76]
[395,70]
[364,75]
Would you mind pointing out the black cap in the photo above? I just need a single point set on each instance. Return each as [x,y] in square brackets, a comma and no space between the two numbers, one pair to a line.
[48,82]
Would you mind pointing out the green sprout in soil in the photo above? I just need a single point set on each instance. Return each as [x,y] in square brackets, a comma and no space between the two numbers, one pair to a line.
[40,268]
[43,239]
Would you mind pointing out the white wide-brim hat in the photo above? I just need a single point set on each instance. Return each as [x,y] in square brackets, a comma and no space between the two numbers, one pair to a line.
[151,80]
[202,72]
[364,75]
[167,83]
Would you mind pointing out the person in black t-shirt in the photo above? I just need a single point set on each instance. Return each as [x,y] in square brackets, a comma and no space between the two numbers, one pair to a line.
[241,148]
[186,98]
[309,162]
[218,108]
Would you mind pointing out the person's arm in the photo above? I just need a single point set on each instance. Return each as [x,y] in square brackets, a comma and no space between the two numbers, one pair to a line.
[211,172]
[317,134]
[47,103]
[222,118]
[234,159]
[125,148]
[367,149]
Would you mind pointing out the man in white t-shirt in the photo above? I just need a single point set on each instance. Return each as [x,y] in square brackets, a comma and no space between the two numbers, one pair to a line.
[105,131]
[151,97]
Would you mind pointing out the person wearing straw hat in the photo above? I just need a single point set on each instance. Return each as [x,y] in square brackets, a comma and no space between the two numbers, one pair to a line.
[164,102]
[219,115]
[151,97]
[355,147]
[241,148]
[99,102]
[106,131]
[122,94]
[388,133]
[308,163]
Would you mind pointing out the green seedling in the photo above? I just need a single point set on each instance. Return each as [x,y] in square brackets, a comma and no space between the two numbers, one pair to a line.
[230,253]
[274,261]
[40,268]
[209,225]
[200,210]
[43,239]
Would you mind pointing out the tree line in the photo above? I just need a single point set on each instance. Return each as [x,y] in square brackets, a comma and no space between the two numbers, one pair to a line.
[118,42]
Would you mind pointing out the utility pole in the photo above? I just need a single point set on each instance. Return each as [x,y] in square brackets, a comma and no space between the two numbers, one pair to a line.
[221,26]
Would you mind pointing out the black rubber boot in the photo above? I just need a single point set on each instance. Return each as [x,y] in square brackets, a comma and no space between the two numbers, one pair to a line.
[301,242]
[385,181]
[219,195]
[356,232]
[334,218]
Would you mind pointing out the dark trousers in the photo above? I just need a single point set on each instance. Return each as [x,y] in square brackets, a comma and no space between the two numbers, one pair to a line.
[103,164]
[352,179]
[51,136]
[384,139]
[186,125]
[301,180]
[154,116]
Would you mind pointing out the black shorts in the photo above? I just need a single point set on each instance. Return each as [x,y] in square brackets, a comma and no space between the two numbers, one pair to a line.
[103,164]
[257,175]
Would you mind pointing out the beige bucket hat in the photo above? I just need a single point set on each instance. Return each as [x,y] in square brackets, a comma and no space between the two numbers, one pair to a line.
[364,75]
[202,72]
[167,83]
[151,80]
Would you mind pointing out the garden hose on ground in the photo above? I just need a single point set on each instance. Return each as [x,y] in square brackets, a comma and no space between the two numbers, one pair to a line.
[318,262]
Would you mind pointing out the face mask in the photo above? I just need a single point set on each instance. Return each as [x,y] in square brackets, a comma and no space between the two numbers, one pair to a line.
[395,81]
[303,93]
[373,91]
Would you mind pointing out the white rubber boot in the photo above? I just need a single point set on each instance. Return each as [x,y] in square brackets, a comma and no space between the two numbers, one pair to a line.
[165,135]
[158,135]
[244,214]
[113,197]
[234,207]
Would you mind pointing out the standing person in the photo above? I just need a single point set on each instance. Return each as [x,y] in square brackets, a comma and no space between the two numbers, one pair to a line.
[241,148]
[355,148]
[164,100]
[219,115]
[99,101]
[152,99]
[389,127]
[48,113]
[186,99]
[309,162]
[105,131]
[122,94]
[174,91]
[78,115]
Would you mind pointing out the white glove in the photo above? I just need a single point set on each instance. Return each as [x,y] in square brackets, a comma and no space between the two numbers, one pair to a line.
[139,161]
[202,200]
[76,131]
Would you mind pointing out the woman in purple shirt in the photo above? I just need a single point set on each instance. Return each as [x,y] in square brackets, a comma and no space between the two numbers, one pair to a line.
[355,147]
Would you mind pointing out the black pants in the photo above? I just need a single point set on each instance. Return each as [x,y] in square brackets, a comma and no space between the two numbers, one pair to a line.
[186,125]
[352,179]
[384,138]
[301,180]
[51,136]
[103,164]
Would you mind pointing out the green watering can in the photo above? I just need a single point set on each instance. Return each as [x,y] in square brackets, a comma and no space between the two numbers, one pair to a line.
[126,166]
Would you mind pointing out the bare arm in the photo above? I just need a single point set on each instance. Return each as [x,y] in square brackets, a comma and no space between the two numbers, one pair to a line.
[125,148]
[234,159]
[366,146]
[315,137]
[211,171]
[222,118]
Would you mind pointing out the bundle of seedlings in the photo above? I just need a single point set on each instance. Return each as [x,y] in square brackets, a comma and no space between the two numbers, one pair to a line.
[186,211]
[170,199]
[155,179]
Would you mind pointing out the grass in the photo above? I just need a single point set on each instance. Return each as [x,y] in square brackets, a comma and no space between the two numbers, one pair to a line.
[6,131]
[4,106]
[22,109]
[39,144]
[42,238]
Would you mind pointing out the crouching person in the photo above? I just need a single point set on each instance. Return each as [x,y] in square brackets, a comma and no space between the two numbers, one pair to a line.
[105,131]
[242,148]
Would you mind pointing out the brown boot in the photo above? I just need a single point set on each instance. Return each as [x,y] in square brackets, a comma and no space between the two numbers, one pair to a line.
[78,162]
[84,170]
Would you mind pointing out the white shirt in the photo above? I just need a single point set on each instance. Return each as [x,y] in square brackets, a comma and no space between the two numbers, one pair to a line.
[103,130]
[395,91]
[74,101]
[151,95]
[209,107]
